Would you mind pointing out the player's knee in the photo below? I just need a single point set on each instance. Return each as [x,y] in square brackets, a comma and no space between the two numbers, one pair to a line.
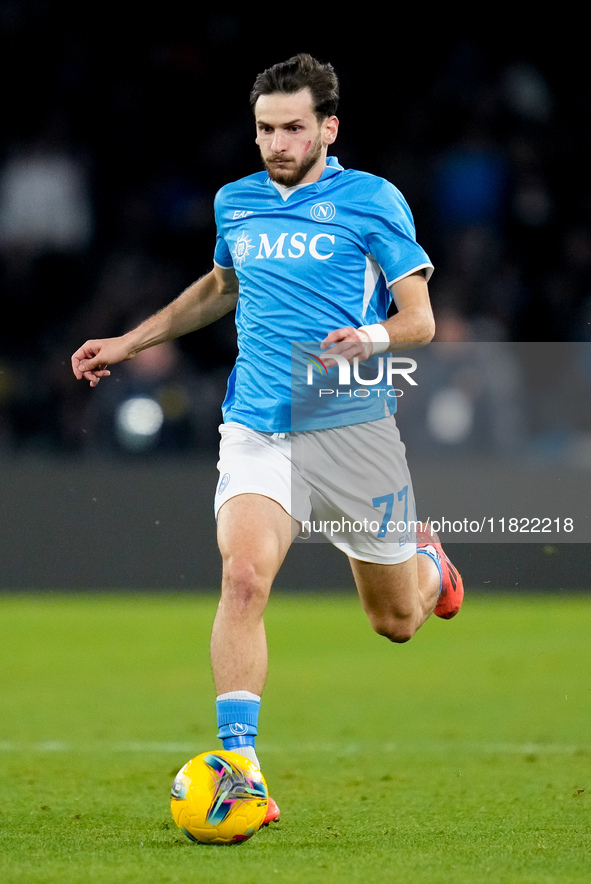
[395,629]
[242,585]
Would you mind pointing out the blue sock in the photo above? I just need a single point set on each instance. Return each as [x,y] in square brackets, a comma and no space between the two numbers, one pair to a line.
[237,718]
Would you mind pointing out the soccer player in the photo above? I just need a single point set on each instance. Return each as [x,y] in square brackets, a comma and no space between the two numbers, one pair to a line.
[306,251]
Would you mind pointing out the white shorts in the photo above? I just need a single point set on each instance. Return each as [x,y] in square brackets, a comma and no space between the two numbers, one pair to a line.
[350,486]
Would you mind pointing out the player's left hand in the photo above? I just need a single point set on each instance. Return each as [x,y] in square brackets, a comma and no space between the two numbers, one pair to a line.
[348,342]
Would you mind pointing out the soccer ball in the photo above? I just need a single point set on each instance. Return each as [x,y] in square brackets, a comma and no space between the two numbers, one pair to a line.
[219,798]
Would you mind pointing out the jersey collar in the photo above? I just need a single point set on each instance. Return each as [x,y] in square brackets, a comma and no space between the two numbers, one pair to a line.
[332,168]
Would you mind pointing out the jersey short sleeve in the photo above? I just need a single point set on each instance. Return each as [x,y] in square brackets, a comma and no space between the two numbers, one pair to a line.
[389,231]
[221,254]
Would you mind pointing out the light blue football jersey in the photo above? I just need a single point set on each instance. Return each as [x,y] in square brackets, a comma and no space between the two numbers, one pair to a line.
[319,259]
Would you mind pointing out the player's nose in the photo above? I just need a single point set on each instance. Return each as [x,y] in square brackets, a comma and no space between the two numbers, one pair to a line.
[279,143]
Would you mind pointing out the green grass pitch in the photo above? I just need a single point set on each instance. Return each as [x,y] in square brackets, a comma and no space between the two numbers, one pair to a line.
[462,756]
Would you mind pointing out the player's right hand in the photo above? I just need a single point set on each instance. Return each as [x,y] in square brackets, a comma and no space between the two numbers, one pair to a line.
[90,361]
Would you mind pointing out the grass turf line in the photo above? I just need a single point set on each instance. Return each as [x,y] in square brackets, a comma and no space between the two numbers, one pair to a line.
[462,755]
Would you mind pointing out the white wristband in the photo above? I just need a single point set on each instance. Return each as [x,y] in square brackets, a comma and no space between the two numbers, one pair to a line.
[378,336]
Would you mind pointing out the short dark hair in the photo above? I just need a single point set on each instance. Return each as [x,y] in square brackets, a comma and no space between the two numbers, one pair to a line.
[297,73]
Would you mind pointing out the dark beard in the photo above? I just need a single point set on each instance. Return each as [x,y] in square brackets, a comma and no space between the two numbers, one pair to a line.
[293,176]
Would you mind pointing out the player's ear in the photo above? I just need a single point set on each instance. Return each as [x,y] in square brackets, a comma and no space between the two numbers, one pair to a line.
[330,130]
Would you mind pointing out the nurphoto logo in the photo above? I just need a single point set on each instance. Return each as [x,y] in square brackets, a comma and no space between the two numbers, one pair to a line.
[388,368]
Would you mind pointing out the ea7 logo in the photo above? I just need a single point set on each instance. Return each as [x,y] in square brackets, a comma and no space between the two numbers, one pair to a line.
[318,247]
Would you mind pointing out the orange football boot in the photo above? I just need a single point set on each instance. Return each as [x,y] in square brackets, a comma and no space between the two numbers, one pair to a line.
[273,813]
[452,586]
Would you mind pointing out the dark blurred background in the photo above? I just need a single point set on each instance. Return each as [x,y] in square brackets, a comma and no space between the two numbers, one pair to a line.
[119,125]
